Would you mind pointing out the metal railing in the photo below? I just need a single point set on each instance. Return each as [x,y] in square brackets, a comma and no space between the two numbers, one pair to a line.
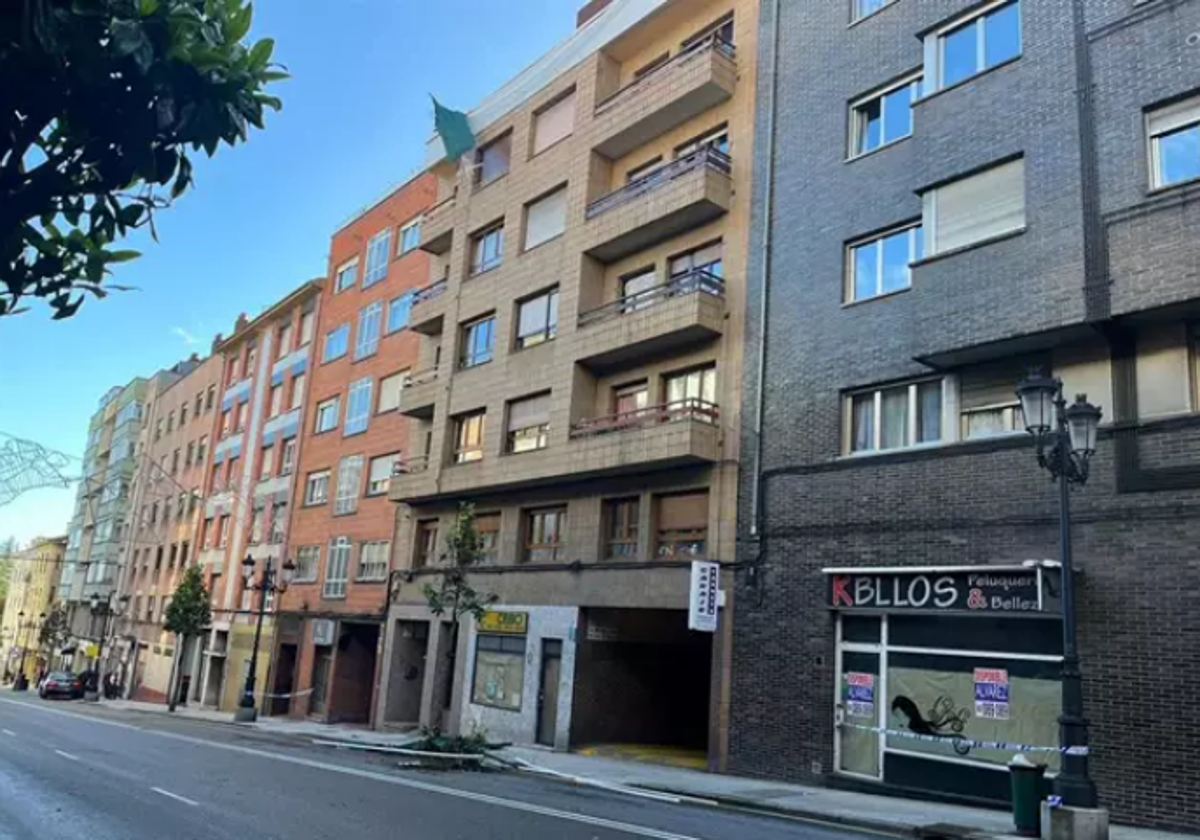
[421,377]
[692,282]
[705,156]
[712,43]
[672,412]
[411,465]
[431,292]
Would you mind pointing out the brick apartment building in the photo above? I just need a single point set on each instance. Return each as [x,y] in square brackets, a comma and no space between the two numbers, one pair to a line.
[1017,187]
[331,619]
[579,383]
[249,485]
[172,454]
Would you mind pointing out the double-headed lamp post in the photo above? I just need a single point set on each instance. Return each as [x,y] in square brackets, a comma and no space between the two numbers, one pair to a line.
[266,584]
[1066,441]
[21,683]
[103,609]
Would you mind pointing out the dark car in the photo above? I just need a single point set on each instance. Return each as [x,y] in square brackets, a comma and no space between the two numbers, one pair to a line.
[61,684]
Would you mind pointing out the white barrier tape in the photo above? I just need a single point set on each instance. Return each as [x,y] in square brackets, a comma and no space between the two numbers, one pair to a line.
[959,741]
[303,693]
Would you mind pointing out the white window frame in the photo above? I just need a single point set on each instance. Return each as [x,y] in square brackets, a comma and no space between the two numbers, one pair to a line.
[913,81]
[287,458]
[337,569]
[378,567]
[331,407]
[404,301]
[1177,117]
[358,407]
[342,330]
[306,571]
[404,244]
[936,40]
[314,480]
[949,417]
[379,254]
[340,272]
[380,486]
[395,381]
[370,330]
[916,245]
[349,482]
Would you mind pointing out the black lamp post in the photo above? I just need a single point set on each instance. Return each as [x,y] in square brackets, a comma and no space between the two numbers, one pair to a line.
[105,611]
[1066,441]
[246,710]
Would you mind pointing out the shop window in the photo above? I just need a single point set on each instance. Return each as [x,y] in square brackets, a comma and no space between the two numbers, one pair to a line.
[682,529]
[499,671]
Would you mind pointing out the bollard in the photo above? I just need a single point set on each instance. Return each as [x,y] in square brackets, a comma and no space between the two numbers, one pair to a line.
[1026,795]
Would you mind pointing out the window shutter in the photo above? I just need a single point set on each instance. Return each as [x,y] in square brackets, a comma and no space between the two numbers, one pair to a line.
[389,391]
[683,512]
[978,207]
[381,468]
[534,411]
[995,384]
[554,123]
[546,218]
[1173,117]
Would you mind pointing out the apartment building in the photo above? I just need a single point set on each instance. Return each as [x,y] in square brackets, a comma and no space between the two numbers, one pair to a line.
[578,383]
[958,191]
[248,486]
[330,621]
[167,498]
[33,576]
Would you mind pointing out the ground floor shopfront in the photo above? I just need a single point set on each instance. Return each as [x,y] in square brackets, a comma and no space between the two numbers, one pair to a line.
[226,662]
[326,668]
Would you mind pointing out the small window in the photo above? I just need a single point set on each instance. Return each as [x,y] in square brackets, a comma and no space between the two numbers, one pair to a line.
[399,312]
[991,421]
[288,461]
[308,559]
[478,342]
[896,418]
[410,236]
[276,401]
[346,276]
[299,380]
[210,397]
[554,122]
[316,488]
[308,323]
[643,169]
[202,449]
[544,534]
[883,117]
[337,342]
[285,340]
[349,479]
[373,560]
[652,65]
[358,407]
[379,478]
[636,289]
[708,259]
[426,547]
[630,400]
[528,424]
[721,30]
[546,218]
[1174,134]
[975,209]
[267,469]
[682,526]
[487,526]
[621,518]
[338,569]
[487,249]
[862,8]
[880,266]
[390,388]
[692,388]
[715,138]
[379,251]
[537,319]
[468,437]
[327,415]
[988,405]
[492,160]
[369,320]
[966,49]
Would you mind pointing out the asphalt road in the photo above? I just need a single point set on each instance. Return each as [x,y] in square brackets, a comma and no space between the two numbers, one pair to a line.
[68,771]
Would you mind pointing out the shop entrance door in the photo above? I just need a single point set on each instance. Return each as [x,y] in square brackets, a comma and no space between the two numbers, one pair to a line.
[547,723]
[860,693]
[322,664]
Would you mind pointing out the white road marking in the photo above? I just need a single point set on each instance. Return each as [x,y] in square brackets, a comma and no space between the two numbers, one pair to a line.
[9,733]
[511,804]
[67,755]
[175,796]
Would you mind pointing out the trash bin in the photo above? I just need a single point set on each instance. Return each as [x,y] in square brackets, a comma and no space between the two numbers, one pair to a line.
[1026,778]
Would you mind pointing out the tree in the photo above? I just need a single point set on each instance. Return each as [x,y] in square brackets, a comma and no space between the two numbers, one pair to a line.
[103,102]
[56,629]
[454,596]
[187,615]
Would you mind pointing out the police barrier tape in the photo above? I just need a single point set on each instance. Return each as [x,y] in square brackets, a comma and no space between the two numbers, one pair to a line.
[303,693]
[958,741]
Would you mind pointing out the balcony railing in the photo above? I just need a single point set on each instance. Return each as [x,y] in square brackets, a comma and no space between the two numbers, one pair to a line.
[421,377]
[692,282]
[705,156]
[431,292]
[672,412]
[411,465]
[713,42]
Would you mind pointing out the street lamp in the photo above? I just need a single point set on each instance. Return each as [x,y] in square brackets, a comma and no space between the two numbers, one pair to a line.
[266,584]
[103,609]
[1066,441]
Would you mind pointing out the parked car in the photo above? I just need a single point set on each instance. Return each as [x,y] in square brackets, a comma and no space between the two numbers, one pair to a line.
[61,684]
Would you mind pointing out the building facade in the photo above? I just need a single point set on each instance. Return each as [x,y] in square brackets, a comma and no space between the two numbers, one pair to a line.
[33,578]
[331,620]
[578,383]
[249,482]
[948,194]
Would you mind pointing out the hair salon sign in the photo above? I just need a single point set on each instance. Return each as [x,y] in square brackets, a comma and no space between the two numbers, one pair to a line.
[979,590]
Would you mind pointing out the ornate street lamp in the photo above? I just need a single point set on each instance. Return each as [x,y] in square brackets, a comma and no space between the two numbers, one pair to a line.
[103,609]
[1066,441]
[267,583]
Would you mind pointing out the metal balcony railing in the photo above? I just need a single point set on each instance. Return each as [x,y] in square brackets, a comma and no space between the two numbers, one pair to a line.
[697,281]
[421,377]
[431,292]
[704,157]
[713,42]
[411,465]
[655,415]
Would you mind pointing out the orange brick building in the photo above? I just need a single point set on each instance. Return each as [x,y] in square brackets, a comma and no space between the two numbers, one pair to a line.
[340,537]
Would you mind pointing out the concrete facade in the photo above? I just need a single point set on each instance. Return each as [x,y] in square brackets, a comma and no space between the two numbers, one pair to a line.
[33,577]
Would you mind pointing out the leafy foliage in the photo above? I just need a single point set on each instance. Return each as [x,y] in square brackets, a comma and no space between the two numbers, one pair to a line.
[56,629]
[454,593]
[433,740]
[102,102]
[189,611]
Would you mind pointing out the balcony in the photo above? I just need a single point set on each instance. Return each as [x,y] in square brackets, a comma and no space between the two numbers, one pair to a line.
[412,477]
[429,308]
[676,197]
[437,229]
[685,311]
[668,96]
[419,394]
[661,436]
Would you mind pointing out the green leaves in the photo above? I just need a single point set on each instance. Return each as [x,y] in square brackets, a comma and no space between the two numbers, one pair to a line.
[146,8]
[189,611]
[238,26]
[260,55]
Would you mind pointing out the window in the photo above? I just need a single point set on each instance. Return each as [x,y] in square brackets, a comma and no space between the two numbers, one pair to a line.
[298,383]
[327,415]
[643,169]
[316,488]
[1174,134]
[231,374]
[499,678]
[410,236]
[256,526]
[692,387]
[346,276]
[158,430]
[199,406]
[682,526]
[170,422]
[537,319]
[399,312]
[202,449]
[358,407]
[529,424]
[636,288]
[337,571]
[369,319]
[223,531]
[285,340]
[373,560]
[175,462]
[544,534]
[468,437]
[251,358]
[880,265]
[884,419]
[268,463]
[652,65]
[722,29]
[976,208]
[621,517]
[308,323]
[478,342]
[379,251]
[862,8]
[491,161]
[210,398]
[379,478]
[276,400]
[390,389]
[426,548]
[308,558]
[337,342]
[708,258]
[487,526]
[487,249]
[243,416]
[554,122]
[288,460]
[988,405]
[189,453]
[883,117]
[209,532]
[349,480]
[546,218]
[716,138]
[966,49]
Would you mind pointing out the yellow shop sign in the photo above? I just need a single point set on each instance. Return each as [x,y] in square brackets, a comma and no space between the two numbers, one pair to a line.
[516,623]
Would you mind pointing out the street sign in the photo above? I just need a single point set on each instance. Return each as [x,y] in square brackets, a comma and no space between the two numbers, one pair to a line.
[704,598]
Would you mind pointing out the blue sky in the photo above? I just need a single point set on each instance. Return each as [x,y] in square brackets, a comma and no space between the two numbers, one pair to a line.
[355,119]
